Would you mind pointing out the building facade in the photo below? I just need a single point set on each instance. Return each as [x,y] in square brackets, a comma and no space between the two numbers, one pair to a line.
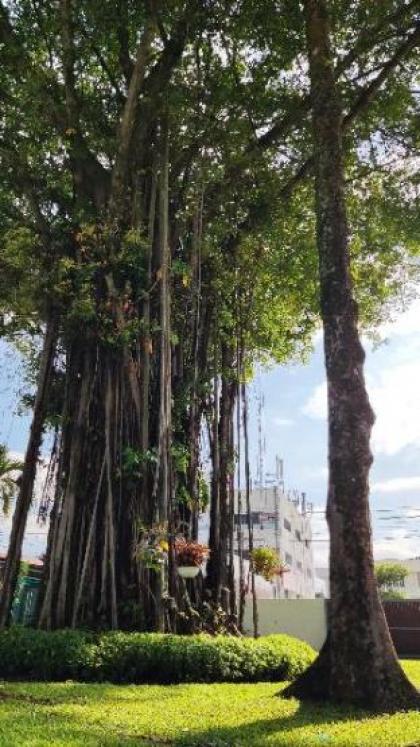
[282,521]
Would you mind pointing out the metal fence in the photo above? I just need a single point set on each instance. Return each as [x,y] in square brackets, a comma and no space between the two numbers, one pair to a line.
[404,624]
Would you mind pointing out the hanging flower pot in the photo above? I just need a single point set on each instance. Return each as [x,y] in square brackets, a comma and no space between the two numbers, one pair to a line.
[267,563]
[188,571]
[189,557]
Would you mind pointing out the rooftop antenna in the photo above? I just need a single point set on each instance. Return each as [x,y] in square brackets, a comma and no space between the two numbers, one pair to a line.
[280,472]
[261,441]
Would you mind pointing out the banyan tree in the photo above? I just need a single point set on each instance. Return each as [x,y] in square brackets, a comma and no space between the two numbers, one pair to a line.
[127,204]
[157,235]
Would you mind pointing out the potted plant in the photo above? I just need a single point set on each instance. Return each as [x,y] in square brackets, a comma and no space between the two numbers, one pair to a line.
[189,557]
[266,562]
[152,548]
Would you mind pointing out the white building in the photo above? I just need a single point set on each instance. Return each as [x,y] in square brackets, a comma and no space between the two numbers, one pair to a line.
[282,521]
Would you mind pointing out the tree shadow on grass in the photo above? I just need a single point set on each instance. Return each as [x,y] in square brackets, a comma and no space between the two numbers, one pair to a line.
[43,727]
[62,693]
[261,733]
[39,725]
[39,715]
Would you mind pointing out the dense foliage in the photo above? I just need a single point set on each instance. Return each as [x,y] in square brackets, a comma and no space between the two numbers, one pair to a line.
[9,473]
[390,578]
[149,657]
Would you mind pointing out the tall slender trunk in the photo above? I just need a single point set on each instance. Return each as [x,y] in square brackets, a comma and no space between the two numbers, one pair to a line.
[110,510]
[227,402]
[23,502]
[147,343]
[358,663]
[239,532]
[248,509]
[213,561]
[195,410]
[165,426]
[162,491]
[231,508]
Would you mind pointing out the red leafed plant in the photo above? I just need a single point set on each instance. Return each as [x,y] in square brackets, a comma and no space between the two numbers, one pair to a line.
[190,553]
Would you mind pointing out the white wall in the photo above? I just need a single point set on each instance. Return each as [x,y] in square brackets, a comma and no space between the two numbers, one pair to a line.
[301,618]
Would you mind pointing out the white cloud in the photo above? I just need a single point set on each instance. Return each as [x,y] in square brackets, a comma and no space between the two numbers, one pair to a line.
[316,405]
[395,396]
[394,388]
[283,421]
[397,545]
[397,484]
[396,400]
[406,323]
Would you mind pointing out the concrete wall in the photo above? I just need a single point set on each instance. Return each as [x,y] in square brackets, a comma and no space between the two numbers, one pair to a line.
[301,618]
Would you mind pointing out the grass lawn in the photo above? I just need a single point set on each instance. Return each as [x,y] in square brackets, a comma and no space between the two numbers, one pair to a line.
[37,715]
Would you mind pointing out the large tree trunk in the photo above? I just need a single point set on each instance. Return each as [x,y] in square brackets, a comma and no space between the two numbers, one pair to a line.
[23,503]
[358,663]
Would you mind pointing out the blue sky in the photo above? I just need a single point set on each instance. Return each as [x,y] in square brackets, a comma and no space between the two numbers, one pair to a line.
[294,428]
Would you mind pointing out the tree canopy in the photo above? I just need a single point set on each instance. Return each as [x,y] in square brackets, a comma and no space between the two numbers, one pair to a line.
[158,236]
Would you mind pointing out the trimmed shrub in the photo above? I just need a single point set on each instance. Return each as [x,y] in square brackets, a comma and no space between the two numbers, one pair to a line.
[149,657]
[37,654]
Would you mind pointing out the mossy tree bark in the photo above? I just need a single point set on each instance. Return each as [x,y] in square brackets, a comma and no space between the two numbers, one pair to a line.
[358,663]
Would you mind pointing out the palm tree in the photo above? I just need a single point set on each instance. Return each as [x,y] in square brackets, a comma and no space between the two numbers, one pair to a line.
[8,479]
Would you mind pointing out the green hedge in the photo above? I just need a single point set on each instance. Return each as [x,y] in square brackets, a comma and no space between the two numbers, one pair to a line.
[148,657]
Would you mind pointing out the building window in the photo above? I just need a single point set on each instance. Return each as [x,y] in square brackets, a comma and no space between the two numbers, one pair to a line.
[299,565]
[307,543]
[298,535]
[309,573]
[289,559]
[287,525]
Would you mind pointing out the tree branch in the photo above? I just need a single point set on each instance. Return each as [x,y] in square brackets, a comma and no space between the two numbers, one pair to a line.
[90,176]
[126,64]
[137,119]
[255,213]
[367,41]
[369,92]
[361,103]
[27,187]
[128,118]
